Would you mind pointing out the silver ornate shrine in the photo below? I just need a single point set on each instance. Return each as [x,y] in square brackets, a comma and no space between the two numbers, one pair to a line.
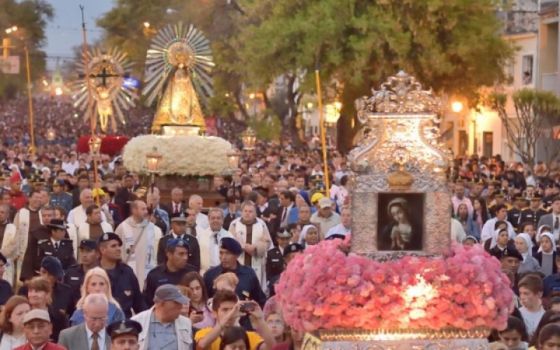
[399,161]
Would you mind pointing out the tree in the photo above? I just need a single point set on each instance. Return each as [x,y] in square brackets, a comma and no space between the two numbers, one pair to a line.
[30,16]
[452,46]
[535,114]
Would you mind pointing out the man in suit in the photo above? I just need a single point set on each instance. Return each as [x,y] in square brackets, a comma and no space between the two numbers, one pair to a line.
[37,328]
[90,335]
[177,205]
[552,220]
[125,195]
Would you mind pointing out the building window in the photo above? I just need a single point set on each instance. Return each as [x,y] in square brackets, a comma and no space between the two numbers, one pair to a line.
[527,69]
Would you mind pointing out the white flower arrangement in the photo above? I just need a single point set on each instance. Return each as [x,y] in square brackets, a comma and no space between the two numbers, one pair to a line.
[181,155]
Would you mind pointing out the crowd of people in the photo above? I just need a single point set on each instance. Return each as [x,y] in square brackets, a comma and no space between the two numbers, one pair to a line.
[118,265]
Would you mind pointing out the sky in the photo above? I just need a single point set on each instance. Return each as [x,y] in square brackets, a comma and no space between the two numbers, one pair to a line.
[65,30]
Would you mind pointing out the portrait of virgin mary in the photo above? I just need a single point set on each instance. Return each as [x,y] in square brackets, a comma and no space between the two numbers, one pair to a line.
[400,222]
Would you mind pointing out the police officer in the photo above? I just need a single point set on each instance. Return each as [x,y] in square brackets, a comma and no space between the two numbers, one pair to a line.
[124,284]
[291,251]
[57,244]
[170,272]
[124,335]
[178,230]
[534,212]
[88,256]
[59,198]
[51,270]
[514,214]
[275,259]
[248,286]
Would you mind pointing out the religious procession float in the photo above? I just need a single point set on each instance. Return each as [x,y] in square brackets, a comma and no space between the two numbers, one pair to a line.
[398,282]
[178,67]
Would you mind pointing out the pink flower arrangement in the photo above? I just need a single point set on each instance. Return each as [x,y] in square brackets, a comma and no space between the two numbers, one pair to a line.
[323,288]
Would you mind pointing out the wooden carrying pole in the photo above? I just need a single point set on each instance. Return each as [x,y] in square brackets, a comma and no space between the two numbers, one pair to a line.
[323,131]
[89,111]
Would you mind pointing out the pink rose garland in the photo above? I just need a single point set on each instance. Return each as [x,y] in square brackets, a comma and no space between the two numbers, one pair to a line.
[325,289]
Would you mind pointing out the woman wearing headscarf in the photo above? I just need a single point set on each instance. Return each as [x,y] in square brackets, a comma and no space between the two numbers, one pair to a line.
[546,256]
[499,242]
[524,245]
[309,235]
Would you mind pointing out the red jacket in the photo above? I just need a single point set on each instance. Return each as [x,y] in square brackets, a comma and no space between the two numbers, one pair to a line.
[48,346]
[18,199]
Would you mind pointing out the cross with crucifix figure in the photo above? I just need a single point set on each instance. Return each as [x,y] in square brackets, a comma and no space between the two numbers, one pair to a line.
[103,75]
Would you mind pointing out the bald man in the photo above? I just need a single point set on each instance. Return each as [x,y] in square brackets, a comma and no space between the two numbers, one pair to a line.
[140,239]
[196,203]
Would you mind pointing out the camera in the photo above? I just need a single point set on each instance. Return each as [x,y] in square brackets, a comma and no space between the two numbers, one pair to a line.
[247,307]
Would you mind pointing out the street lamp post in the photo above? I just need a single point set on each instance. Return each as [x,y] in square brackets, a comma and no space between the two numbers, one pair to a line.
[153,159]
[94,144]
[249,139]
[13,30]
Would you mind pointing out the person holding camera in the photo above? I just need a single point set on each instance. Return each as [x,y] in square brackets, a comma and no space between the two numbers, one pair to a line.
[227,310]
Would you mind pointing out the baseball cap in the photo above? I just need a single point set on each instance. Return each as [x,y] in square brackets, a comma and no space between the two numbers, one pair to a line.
[325,203]
[36,314]
[170,292]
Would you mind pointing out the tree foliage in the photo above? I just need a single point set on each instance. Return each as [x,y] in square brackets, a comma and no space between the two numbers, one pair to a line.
[535,114]
[453,46]
[30,16]
[449,45]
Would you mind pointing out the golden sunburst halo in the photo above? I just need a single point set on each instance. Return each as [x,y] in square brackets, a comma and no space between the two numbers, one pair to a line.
[178,46]
[103,80]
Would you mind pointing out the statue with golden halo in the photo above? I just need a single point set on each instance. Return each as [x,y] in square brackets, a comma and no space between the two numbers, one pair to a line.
[102,75]
[178,67]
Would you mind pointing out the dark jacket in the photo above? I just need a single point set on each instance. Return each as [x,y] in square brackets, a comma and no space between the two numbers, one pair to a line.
[126,290]
[194,249]
[160,275]
[248,282]
[65,253]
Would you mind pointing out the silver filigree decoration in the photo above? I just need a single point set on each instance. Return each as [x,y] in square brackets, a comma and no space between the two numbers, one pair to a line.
[400,141]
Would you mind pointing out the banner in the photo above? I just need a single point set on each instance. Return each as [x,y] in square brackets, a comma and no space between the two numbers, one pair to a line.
[9,65]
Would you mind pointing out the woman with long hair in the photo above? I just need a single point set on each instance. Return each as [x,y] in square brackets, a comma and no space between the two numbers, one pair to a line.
[466,220]
[39,294]
[11,322]
[199,312]
[480,212]
[97,281]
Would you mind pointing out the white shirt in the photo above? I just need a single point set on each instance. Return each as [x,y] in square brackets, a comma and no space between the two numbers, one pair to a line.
[78,216]
[70,168]
[531,319]
[100,339]
[202,221]
[339,229]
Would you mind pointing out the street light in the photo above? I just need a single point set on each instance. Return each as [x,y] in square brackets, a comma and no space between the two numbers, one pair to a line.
[249,139]
[457,106]
[51,134]
[94,144]
[12,30]
[152,160]
[332,112]
[233,160]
